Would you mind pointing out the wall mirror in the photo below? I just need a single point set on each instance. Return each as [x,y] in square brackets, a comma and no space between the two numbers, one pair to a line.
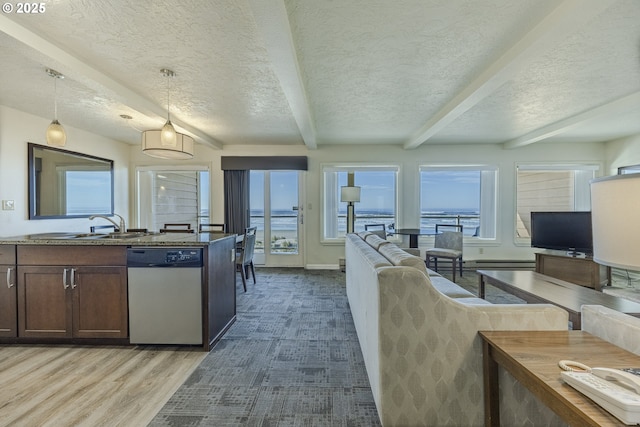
[64,184]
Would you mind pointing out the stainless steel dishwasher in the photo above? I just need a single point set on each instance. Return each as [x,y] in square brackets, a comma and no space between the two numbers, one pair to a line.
[165,295]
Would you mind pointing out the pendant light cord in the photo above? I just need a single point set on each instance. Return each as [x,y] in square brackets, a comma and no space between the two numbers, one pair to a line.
[168,97]
[55,98]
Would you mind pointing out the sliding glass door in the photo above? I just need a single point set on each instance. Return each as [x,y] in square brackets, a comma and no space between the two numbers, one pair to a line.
[276,211]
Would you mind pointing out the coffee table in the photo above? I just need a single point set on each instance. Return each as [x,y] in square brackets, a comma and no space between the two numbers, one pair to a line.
[537,288]
[532,358]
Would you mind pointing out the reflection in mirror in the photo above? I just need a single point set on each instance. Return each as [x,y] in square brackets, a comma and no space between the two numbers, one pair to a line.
[64,184]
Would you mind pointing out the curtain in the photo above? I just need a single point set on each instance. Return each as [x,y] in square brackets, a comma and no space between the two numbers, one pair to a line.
[236,200]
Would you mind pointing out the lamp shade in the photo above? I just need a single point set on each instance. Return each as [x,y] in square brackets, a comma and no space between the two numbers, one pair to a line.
[55,134]
[349,194]
[615,205]
[152,146]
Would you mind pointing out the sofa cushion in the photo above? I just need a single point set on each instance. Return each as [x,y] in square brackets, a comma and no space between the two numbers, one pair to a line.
[399,257]
[450,289]
[375,241]
[472,301]
[372,257]
[363,234]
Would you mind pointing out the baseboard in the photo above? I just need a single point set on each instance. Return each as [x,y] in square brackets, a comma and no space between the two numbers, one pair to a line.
[322,267]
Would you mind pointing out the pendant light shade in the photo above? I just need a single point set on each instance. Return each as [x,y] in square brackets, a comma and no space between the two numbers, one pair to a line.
[152,145]
[55,134]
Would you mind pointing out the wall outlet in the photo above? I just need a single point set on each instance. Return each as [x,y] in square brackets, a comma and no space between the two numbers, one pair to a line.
[481,251]
[8,205]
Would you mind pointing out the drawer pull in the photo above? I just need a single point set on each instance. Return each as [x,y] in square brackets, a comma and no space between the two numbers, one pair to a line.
[9,284]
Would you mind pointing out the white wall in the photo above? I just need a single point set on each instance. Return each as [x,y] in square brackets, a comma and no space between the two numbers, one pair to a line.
[622,152]
[16,130]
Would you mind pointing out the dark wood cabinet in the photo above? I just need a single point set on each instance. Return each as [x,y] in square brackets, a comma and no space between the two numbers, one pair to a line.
[8,292]
[81,298]
[580,270]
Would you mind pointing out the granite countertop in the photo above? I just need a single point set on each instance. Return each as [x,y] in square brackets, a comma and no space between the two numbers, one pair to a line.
[133,239]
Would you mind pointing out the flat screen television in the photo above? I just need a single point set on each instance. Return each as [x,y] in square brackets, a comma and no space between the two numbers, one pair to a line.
[565,231]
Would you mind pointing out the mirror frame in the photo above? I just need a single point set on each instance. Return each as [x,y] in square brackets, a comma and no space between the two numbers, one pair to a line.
[31,147]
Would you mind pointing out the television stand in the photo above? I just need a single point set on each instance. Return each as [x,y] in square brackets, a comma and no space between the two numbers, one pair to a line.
[579,269]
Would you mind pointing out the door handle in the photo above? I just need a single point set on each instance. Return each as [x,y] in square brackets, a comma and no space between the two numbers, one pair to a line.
[73,278]
[9,284]
[64,279]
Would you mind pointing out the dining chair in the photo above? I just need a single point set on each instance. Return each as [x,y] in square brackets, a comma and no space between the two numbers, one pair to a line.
[244,256]
[379,229]
[448,245]
[177,228]
[204,228]
[137,230]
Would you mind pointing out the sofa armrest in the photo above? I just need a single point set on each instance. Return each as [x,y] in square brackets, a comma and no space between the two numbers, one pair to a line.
[618,328]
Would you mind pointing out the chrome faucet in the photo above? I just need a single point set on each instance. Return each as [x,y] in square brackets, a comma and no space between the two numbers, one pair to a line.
[121,227]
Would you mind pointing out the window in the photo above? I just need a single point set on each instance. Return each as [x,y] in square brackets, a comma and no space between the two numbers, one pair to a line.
[456,194]
[174,195]
[550,188]
[378,198]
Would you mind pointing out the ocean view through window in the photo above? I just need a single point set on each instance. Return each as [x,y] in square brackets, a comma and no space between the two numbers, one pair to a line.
[461,195]
[378,198]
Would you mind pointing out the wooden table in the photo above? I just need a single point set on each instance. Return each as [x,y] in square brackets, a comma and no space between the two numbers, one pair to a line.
[537,288]
[532,358]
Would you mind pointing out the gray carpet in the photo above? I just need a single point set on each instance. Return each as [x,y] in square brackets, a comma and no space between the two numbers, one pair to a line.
[291,359]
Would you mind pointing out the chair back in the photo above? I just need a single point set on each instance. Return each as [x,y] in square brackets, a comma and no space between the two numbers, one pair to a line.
[379,229]
[204,228]
[177,228]
[449,240]
[137,230]
[248,244]
[456,227]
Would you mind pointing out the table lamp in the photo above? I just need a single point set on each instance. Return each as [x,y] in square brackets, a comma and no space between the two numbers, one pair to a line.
[350,194]
[615,205]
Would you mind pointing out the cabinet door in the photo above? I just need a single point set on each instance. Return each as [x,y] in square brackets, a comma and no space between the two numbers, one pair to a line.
[44,305]
[8,302]
[100,302]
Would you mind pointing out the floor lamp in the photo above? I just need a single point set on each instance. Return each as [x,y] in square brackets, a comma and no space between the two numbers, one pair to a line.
[350,195]
[615,205]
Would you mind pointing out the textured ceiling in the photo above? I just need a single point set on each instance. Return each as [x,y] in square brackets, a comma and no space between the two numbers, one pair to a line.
[315,72]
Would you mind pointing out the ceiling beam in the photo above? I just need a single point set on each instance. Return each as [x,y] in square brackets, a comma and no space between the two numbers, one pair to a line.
[96,77]
[273,22]
[620,105]
[567,18]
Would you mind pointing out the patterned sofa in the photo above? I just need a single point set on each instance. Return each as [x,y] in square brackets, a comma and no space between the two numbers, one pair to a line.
[418,335]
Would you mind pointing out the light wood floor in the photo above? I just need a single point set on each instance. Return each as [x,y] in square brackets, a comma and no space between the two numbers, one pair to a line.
[89,386]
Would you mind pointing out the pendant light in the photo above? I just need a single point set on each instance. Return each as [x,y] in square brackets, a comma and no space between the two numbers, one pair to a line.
[55,134]
[168,132]
[166,143]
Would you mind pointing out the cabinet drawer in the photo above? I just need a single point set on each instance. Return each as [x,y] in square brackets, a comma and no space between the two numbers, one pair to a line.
[7,254]
[72,255]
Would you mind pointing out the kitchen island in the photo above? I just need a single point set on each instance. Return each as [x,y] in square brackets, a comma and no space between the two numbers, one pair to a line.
[68,287]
